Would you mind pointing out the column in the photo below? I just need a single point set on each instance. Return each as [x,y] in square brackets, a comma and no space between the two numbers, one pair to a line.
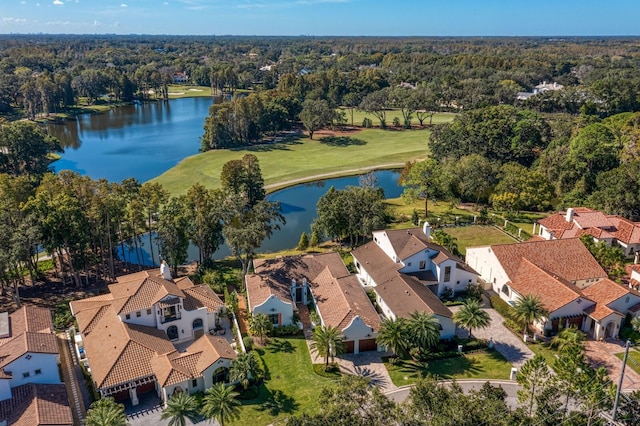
[133,394]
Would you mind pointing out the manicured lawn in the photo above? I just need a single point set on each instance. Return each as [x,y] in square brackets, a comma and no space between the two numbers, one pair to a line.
[633,360]
[177,91]
[544,350]
[358,116]
[482,365]
[291,387]
[301,157]
[470,236]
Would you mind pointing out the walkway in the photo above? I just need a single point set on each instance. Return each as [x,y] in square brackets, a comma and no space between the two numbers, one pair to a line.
[603,354]
[367,364]
[243,317]
[509,345]
[70,373]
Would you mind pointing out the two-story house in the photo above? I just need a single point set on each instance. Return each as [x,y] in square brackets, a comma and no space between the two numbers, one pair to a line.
[575,222]
[398,263]
[564,275]
[279,284]
[29,373]
[129,336]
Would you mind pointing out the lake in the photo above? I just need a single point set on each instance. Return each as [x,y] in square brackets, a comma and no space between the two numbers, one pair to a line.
[145,140]
[142,140]
[299,208]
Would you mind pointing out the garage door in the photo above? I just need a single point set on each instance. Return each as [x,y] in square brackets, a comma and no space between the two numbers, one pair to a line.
[368,345]
[349,346]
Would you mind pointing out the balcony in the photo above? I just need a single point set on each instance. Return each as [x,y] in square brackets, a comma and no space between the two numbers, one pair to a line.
[171,317]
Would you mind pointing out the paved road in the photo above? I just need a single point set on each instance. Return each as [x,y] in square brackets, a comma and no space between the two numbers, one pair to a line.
[511,388]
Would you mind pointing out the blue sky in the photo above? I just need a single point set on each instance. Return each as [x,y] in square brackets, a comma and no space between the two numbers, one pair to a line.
[323,17]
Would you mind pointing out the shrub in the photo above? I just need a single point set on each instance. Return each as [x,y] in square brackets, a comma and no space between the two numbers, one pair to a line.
[62,318]
[502,307]
[415,219]
[367,123]
[248,343]
[513,325]
[245,395]
[303,244]
[447,294]
[474,291]
[396,122]
[333,371]
[285,330]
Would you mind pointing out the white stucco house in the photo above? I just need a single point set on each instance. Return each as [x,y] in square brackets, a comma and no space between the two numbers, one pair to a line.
[29,372]
[129,336]
[278,285]
[574,289]
[408,272]
[575,222]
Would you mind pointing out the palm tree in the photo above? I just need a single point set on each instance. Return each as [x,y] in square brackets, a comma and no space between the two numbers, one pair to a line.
[243,368]
[471,316]
[220,403]
[106,412]
[568,338]
[393,335]
[530,309]
[327,342]
[260,325]
[180,407]
[424,329]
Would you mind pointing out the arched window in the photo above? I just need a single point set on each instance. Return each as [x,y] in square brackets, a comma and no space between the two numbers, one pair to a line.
[197,323]
[221,375]
[505,289]
[172,332]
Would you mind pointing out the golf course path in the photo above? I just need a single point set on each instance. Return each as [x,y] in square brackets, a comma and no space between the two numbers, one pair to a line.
[349,172]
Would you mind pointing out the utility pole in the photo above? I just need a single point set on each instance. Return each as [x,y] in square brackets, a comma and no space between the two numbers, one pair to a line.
[624,364]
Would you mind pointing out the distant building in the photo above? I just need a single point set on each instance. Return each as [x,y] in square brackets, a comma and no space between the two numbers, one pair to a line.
[180,78]
[540,88]
[575,222]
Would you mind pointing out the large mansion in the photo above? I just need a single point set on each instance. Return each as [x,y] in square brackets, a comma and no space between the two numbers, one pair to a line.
[130,337]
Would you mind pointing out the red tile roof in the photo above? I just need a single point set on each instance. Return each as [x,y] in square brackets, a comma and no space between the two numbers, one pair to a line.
[37,405]
[592,222]
[567,259]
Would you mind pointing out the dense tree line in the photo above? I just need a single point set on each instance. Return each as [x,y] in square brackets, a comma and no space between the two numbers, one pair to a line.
[84,225]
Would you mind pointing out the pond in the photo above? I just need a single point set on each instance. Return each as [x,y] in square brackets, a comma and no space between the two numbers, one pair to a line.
[141,141]
[299,208]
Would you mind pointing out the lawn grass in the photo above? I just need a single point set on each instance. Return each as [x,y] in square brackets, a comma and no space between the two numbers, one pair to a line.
[633,360]
[300,157]
[470,236]
[290,387]
[481,365]
[544,350]
[359,116]
[178,91]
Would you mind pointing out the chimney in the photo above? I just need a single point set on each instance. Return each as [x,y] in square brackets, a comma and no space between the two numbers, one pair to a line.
[636,257]
[569,216]
[165,271]
[426,228]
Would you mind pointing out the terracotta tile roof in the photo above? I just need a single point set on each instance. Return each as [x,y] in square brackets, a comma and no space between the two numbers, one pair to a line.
[175,368]
[594,223]
[201,296]
[556,222]
[600,311]
[274,276]
[31,330]
[119,352]
[37,405]
[405,294]
[554,292]
[142,292]
[606,291]
[340,299]
[567,259]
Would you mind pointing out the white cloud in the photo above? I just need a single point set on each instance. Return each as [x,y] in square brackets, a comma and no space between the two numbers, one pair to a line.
[124,5]
[56,2]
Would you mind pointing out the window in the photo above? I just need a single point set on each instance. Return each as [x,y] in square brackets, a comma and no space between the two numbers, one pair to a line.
[25,375]
[447,274]
[148,311]
[127,316]
[194,383]
[409,264]
[505,289]
[138,314]
[273,319]
[38,371]
[172,332]
[626,300]
[423,264]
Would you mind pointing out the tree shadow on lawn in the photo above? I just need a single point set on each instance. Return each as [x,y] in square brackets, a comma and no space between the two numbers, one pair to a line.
[269,146]
[341,141]
[278,402]
[280,345]
[444,368]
